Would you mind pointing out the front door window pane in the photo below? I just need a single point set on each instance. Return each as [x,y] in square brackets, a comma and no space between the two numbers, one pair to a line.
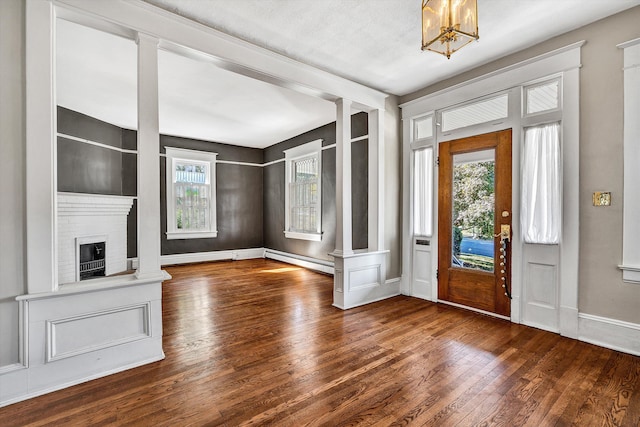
[473,210]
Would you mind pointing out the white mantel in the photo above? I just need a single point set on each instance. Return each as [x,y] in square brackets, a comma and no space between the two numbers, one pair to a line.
[85,216]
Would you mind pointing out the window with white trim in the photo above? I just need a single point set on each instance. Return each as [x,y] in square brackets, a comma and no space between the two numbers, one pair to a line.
[191,194]
[303,196]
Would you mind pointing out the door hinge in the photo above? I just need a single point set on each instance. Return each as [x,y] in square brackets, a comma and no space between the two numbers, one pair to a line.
[437,274]
[438,161]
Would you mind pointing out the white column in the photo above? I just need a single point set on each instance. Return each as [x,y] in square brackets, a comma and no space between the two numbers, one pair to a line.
[344,245]
[41,176]
[376,186]
[148,159]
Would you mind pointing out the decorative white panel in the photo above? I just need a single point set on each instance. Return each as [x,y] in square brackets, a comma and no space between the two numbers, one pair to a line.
[364,277]
[360,279]
[542,285]
[94,331]
[338,280]
[541,293]
[422,272]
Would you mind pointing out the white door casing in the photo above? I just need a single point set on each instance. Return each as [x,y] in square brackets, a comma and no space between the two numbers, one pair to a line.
[545,277]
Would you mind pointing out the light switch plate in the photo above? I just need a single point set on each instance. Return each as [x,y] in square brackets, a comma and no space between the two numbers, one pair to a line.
[601,198]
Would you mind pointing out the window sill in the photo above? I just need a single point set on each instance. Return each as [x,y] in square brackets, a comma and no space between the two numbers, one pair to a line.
[316,237]
[174,235]
[630,274]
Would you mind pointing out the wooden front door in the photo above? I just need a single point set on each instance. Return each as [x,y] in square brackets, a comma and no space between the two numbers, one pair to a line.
[474,206]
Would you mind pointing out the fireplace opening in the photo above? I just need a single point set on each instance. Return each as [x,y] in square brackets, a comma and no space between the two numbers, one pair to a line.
[92,260]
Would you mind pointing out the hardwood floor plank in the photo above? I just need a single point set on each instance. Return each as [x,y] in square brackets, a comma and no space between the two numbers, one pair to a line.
[257,342]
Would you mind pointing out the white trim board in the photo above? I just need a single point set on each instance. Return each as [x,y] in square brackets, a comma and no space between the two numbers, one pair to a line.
[609,333]
[300,260]
[195,257]
[96,144]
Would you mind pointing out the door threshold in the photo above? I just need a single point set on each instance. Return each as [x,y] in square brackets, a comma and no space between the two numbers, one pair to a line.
[477,310]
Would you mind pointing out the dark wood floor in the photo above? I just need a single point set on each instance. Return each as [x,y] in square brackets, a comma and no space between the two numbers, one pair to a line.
[258,342]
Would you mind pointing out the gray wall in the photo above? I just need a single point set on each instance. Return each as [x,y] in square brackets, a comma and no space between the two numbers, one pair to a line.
[274,200]
[601,289]
[84,168]
[239,191]
[12,175]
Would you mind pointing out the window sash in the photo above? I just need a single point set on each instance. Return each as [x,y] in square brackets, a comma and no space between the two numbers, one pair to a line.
[304,206]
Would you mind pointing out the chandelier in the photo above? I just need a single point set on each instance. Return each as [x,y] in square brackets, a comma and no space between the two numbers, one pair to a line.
[448,25]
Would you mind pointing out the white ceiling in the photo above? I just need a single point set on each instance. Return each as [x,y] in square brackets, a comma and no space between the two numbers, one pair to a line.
[375,42]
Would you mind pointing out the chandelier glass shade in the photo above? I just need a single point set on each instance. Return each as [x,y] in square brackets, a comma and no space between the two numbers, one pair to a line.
[448,25]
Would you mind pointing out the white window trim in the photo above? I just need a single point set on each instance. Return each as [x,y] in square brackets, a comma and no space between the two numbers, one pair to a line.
[173,155]
[630,265]
[305,150]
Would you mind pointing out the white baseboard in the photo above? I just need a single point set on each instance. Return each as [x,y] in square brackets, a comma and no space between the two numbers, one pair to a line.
[610,333]
[300,260]
[188,258]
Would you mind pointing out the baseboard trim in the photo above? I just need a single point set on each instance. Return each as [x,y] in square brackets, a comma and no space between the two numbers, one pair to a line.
[79,381]
[609,333]
[322,266]
[382,298]
[190,258]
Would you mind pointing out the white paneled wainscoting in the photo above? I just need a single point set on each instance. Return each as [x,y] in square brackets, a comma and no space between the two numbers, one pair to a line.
[82,331]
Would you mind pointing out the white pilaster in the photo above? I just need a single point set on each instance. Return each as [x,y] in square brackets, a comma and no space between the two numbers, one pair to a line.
[570,244]
[148,163]
[40,147]
[630,224]
[376,187]
[344,245]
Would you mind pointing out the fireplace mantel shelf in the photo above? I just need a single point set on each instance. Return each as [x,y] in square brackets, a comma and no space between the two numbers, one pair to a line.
[73,204]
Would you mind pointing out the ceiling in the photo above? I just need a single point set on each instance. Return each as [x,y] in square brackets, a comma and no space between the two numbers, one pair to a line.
[375,42]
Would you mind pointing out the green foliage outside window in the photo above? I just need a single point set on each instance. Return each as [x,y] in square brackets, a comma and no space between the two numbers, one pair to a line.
[474,201]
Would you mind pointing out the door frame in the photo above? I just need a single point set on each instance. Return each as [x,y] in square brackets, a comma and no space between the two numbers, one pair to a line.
[564,62]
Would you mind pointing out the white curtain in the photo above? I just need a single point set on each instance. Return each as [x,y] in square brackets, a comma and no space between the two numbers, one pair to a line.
[423,191]
[540,211]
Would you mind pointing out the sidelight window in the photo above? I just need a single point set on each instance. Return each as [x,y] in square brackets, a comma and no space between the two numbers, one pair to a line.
[423,191]
[191,197]
[540,212]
